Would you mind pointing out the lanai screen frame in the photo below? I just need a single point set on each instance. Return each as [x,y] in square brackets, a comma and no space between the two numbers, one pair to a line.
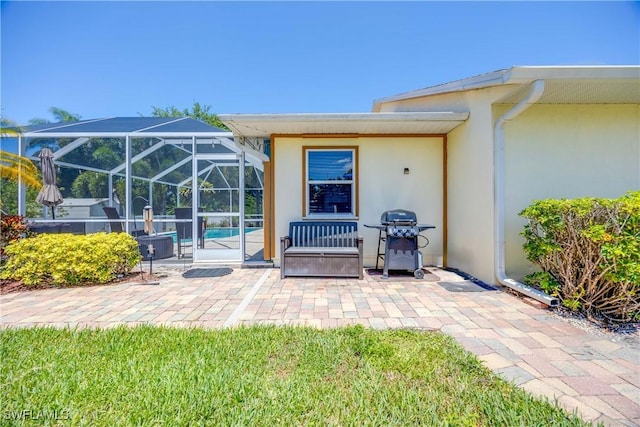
[144,127]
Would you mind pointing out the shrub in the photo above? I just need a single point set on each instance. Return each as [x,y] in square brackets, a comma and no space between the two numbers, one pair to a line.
[589,252]
[12,227]
[67,259]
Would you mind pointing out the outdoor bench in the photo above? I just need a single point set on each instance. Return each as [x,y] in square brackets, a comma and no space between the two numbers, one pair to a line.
[323,249]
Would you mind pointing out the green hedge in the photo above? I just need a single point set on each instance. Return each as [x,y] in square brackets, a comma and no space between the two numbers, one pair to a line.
[67,259]
[589,253]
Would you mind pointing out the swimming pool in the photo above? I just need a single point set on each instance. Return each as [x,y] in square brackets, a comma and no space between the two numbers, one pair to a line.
[215,233]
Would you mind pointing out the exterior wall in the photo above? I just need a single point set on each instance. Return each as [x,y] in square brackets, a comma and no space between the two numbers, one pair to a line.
[470,196]
[469,177]
[552,151]
[382,184]
[566,151]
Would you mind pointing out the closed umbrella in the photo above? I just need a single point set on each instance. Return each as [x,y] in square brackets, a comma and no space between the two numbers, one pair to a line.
[49,194]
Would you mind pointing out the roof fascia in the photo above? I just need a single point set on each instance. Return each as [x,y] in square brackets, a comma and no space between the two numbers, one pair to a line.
[320,117]
[484,80]
[520,75]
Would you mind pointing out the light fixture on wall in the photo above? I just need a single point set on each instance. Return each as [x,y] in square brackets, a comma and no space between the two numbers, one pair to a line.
[406,171]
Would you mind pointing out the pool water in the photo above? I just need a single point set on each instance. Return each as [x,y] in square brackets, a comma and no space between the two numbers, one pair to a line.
[215,233]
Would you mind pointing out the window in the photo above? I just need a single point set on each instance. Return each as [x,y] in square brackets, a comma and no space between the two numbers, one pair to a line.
[330,181]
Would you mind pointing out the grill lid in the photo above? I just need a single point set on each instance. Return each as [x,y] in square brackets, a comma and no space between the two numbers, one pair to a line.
[398,216]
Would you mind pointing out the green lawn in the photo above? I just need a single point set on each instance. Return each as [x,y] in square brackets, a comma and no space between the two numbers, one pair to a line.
[257,376]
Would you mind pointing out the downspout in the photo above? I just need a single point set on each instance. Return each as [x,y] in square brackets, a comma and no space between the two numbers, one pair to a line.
[499,199]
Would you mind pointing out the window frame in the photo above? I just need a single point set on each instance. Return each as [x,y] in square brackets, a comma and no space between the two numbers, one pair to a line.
[306,214]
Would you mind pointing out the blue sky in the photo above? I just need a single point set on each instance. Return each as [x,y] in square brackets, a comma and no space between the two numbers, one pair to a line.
[101,59]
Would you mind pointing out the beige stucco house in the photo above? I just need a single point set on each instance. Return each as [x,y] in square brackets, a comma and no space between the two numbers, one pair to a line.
[466,156]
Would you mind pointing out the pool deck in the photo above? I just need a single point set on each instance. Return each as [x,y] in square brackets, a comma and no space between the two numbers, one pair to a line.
[586,370]
[254,243]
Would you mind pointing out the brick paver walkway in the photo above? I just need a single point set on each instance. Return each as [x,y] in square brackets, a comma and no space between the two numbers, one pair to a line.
[594,373]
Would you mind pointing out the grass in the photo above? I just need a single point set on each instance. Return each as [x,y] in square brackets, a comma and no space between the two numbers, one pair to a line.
[258,376]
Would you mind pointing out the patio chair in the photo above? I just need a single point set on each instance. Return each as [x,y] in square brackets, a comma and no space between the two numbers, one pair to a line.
[112,213]
[184,229]
[116,225]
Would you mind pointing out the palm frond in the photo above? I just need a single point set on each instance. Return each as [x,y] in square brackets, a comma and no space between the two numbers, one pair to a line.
[15,167]
[8,129]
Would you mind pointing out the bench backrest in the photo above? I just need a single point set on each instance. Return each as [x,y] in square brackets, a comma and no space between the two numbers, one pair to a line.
[324,234]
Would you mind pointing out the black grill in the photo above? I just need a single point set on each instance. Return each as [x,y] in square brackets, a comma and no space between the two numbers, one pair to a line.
[399,230]
[398,216]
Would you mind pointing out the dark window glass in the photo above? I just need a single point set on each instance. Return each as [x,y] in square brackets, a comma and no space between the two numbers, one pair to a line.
[329,198]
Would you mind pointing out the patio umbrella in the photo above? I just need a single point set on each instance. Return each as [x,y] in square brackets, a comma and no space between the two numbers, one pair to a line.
[49,194]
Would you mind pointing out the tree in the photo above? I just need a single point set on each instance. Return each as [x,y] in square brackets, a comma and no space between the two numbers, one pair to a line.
[59,115]
[13,169]
[9,199]
[13,166]
[90,184]
[39,121]
[8,128]
[16,168]
[197,111]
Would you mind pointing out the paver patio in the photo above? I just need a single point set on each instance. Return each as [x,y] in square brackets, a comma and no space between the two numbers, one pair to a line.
[595,373]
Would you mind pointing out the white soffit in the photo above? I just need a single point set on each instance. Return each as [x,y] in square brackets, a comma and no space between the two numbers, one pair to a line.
[264,125]
[583,91]
[617,84]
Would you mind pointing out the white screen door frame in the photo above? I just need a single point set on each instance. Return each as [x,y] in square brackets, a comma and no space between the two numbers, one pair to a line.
[218,249]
